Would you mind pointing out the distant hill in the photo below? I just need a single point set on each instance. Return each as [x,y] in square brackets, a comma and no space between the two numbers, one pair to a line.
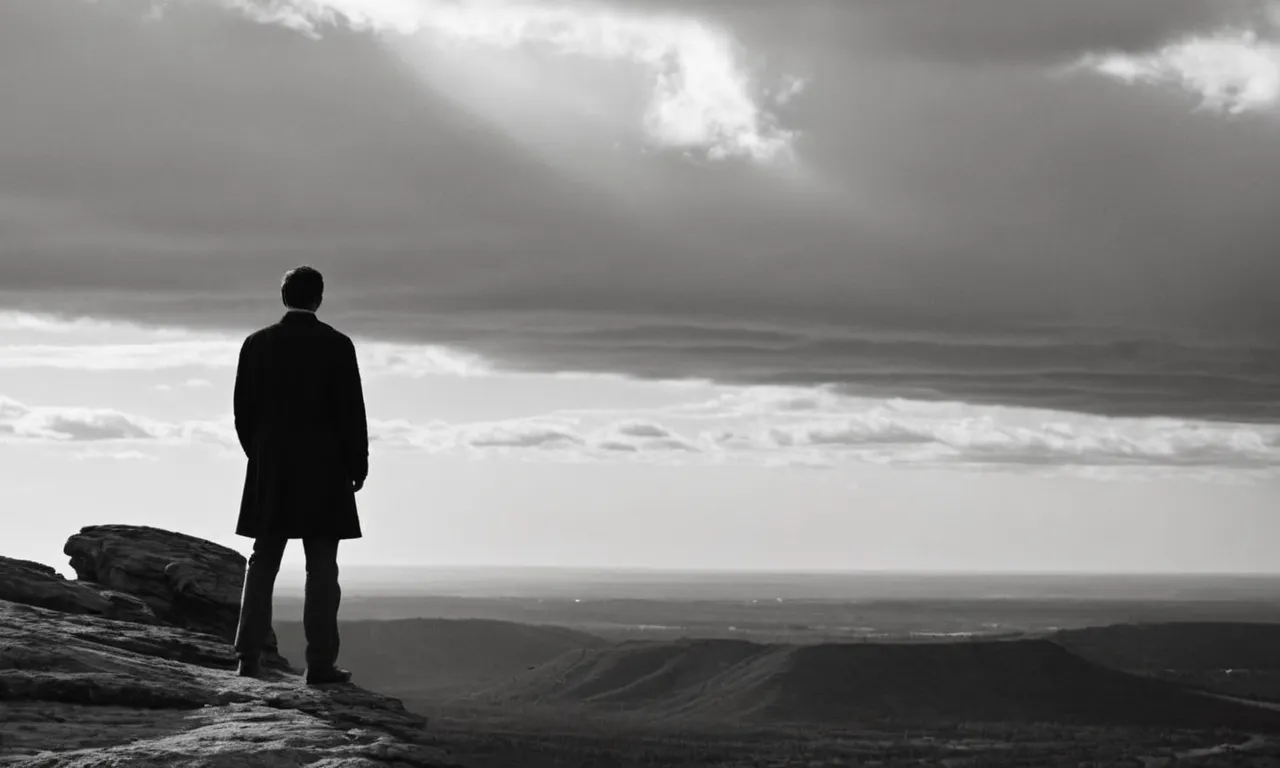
[1236,659]
[421,656]
[1001,681]
[1184,646]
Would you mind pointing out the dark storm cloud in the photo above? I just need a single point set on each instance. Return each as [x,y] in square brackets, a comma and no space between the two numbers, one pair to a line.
[1059,370]
[1002,234]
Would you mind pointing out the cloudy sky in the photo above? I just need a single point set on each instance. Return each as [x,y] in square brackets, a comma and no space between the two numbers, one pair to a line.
[979,285]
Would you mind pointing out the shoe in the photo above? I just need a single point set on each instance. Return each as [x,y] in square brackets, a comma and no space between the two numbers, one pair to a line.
[249,666]
[327,675]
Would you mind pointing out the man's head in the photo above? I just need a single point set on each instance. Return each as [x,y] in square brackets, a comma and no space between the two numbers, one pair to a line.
[302,288]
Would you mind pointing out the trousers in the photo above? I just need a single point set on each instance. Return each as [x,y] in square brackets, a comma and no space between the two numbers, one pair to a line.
[319,612]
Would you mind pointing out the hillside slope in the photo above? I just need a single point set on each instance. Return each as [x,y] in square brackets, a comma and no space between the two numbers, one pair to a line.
[1013,681]
[405,657]
[1234,659]
[1187,646]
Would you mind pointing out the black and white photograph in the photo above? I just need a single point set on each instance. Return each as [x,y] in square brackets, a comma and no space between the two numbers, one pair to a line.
[639,383]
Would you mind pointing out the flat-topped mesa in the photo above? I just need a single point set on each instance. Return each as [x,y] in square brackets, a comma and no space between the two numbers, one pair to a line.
[186,581]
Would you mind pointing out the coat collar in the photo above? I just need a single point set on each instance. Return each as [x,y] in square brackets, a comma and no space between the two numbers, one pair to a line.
[299,316]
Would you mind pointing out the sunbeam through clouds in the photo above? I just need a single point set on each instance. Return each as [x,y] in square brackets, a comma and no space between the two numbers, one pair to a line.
[702,98]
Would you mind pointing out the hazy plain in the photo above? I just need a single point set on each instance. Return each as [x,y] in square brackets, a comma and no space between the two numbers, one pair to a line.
[556,667]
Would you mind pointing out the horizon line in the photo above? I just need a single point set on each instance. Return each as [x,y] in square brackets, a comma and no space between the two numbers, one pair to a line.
[704,571]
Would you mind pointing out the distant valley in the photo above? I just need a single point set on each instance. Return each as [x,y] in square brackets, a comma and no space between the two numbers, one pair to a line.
[717,676]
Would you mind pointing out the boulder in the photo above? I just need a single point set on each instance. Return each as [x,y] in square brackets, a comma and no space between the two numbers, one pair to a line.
[187,582]
[22,581]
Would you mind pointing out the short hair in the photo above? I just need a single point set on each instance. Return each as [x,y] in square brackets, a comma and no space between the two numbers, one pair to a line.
[302,287]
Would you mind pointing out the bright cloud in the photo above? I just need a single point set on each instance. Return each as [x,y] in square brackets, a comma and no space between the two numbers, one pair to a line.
[517,434]
[740,428]
[769,426]
[983,440]
[701,96]
[74,424]
[957,433]
[83,345]
[153,356]
[11,320]
[815,429]
[418,360]
[1231,71]
[24,422]
[642,429]
[124,454]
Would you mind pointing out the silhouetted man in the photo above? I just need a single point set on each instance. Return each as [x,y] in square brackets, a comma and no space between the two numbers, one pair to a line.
[300,417]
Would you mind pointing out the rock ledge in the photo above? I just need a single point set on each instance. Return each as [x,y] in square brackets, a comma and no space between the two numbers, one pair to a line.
[131,665]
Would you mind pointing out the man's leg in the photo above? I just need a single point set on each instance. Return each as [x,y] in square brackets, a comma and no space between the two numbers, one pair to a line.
[320,613]
[255,601]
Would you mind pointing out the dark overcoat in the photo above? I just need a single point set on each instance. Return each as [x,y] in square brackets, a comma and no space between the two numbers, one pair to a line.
[300,417]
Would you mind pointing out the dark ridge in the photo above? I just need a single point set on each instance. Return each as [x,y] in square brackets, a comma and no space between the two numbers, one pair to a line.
[834,684]
[1186,646]
[432,656]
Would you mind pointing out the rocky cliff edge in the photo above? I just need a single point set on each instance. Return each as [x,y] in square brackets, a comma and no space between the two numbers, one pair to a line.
[130,664]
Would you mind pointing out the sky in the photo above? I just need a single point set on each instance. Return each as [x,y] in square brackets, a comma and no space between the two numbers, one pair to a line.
[847,285]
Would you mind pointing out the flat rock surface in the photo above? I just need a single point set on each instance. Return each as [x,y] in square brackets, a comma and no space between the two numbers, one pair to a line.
[80,689]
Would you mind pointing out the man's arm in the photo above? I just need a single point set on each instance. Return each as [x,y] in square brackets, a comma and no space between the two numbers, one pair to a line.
[355,425]
[245,408]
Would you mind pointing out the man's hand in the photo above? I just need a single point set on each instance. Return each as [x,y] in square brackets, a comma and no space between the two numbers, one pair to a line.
[356,485]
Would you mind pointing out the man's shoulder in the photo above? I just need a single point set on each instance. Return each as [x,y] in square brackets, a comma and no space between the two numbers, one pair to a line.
[258,334]
[338,336]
